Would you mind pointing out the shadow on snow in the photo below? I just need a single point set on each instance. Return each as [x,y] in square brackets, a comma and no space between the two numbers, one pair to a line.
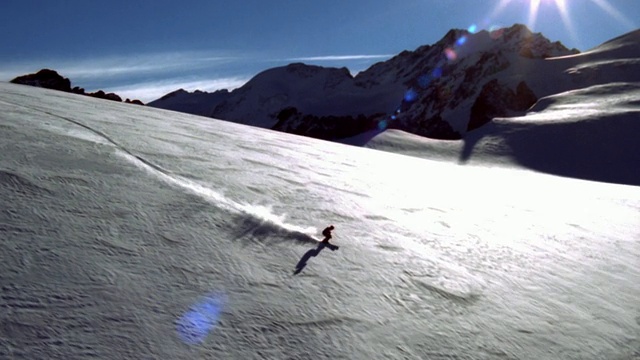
[312,253]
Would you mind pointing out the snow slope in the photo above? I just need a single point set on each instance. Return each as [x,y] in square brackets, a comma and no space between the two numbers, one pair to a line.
[129,232]
[586,125]
[590,134]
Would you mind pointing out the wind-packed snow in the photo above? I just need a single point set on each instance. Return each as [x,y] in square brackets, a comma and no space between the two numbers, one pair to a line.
[132,232]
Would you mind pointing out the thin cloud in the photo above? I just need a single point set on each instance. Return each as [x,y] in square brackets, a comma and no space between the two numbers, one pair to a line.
[149,91]
[119,66]
[119,74]
[613,12]
[145,64]
[339,57]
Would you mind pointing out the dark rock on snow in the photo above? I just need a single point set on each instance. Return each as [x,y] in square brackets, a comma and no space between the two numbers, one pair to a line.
[50,79]
[496,100]
[45,78]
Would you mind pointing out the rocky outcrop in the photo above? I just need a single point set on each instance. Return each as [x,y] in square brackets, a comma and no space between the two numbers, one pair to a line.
[135,101]
[331,127]
[497,100]
[45,78]
[50,79]
[107,96]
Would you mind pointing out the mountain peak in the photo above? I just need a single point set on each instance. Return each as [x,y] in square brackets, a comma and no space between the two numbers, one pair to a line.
[174,94]
[433,91]
[532,45]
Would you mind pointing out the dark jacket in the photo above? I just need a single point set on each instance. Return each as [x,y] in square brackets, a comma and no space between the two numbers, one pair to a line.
[327,232]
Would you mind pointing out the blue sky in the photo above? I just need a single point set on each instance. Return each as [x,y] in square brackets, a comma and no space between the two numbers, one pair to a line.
[146,48]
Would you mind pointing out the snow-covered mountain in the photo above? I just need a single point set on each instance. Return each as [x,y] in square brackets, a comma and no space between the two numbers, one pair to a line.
[438,91]
[309,89]
[584,125]
[196,103]
[128,232]
[590,134]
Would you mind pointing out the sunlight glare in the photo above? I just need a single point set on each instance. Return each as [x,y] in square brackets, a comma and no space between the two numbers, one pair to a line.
[566,19]
[604,5]
[533,13]
[498,9]
[534,9]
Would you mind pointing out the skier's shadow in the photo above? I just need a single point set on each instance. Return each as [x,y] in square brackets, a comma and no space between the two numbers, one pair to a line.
[311,253]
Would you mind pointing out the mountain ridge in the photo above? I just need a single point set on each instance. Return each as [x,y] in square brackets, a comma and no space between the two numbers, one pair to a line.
[440,91]
[429,91]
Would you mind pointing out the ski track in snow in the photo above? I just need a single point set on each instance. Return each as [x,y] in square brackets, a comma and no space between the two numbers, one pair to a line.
[262,214]
[109,236]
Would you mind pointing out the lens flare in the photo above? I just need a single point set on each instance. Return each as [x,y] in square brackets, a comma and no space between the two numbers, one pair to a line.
[194,325]
[614,13]
[563,10]
[533,13]
[450,54]
[455,50]
[411,95]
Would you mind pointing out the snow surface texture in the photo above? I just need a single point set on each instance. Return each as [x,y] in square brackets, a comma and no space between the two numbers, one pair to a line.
[132,232]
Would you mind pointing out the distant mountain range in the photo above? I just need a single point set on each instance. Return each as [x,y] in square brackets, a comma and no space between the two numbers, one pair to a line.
[440,91]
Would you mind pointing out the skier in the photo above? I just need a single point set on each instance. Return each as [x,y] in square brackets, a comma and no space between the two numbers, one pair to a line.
[327,234]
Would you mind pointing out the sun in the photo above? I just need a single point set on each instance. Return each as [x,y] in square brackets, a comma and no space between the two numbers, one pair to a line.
[534,6]
[563,9]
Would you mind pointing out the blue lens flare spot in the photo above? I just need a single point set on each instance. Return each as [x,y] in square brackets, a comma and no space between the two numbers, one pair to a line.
[382,124]
[410,95]
[195,324]
[393,117]
[461,40]
[436,73]
[473,28]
